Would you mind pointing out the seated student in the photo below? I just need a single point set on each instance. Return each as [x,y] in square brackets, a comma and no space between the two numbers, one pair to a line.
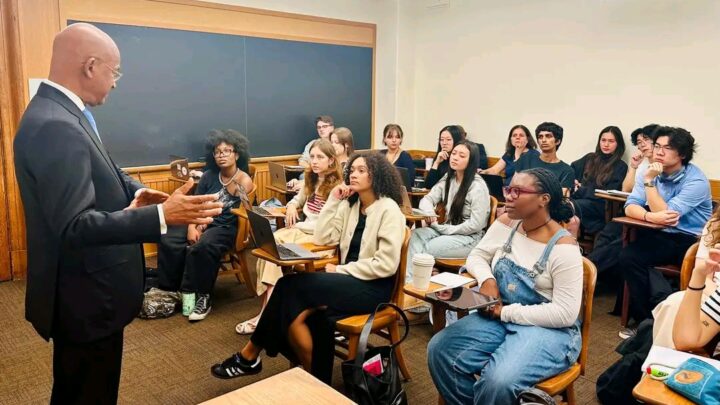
[325,126]
[392,138]
[698,321]
[342,140]
[449,136]
[519,142]
[189,256]
[674,193]
[534,267]
[364,218]
[323,174]
[641,159]
[603,169]
[549,137]
[665,312]
[466,201]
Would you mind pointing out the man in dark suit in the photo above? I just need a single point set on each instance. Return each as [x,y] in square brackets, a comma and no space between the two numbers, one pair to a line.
[85,220]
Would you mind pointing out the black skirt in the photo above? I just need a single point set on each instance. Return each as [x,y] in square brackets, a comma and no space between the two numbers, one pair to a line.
[340,295]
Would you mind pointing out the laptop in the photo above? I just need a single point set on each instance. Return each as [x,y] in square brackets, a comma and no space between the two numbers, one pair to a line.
[277,175]
[403,172]
[407,208]
[495,184]
[179,167]
[265,240]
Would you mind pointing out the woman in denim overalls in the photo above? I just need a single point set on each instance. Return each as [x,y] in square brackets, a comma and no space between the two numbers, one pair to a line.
[534,333]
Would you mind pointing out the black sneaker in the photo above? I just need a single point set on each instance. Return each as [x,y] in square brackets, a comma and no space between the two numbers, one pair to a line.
[236,366]
[202,308]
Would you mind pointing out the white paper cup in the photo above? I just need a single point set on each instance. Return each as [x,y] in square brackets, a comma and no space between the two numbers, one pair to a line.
[422,270]
[428,163]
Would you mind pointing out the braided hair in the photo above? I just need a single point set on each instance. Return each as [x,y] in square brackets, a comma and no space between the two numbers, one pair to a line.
[560,208]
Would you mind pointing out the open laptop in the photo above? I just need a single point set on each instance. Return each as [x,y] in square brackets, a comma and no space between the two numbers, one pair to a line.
[403,172]
[264,239]
[495,184]
[277,175]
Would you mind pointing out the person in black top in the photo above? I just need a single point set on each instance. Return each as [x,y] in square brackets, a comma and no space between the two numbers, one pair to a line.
[189,256]
[450,136]
[549,137]
[392,138]
[603,169]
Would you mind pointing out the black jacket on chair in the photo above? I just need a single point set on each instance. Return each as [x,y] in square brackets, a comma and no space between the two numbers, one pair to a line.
[85,261]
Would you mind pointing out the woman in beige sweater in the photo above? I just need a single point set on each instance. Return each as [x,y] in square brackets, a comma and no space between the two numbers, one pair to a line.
[363,216]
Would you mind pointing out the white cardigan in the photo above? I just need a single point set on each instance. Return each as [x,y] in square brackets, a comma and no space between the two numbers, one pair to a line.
[381,240]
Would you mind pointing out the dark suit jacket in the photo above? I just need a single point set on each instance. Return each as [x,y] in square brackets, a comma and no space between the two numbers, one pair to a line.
[85,261]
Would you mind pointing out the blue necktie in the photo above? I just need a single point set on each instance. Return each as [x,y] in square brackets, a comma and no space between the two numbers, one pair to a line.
[90,118]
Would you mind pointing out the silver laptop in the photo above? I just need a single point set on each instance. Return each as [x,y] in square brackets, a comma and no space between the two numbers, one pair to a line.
[265,240]
[277,175]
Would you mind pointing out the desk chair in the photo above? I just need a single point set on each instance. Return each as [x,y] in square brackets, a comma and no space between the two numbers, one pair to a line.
[234,261]
[387,318]
[455,264]
[563,382]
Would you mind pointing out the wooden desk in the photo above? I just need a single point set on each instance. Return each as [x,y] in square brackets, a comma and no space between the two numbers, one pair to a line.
[294,386]
[308,263]
[438,309]
[416,196]
[656,392]
[613,205]
[284,192]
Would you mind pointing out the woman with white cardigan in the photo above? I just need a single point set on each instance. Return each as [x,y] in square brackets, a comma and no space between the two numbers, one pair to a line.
[363,216]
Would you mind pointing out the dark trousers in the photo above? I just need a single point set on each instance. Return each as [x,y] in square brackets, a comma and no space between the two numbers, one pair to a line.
[87,373]
[192,268]
[651,248]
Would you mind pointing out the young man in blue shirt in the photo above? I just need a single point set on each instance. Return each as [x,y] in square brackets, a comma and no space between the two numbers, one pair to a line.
[674,193]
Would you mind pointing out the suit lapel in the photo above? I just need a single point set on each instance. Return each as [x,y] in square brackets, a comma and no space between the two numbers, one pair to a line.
[57,96]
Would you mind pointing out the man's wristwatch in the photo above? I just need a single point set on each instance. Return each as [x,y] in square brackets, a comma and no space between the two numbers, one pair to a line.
[649,184]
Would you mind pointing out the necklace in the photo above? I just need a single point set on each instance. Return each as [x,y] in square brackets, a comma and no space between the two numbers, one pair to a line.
[537,227]
[237,170]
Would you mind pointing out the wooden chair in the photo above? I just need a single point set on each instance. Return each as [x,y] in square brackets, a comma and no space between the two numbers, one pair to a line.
[455,264]
[387,318]
[669,270]
[234,262]
[685,274]
[563,383]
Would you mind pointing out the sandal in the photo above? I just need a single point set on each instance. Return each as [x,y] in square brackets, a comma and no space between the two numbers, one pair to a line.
[247,327]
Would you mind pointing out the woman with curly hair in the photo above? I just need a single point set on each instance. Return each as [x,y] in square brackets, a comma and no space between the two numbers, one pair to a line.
[189,256]
[363,217]
[321,177]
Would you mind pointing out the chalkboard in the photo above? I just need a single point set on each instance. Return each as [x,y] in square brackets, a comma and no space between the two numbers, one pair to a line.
[177,85]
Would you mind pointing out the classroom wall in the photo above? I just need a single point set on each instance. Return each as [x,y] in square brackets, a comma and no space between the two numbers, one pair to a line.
[583,64]
[384,13]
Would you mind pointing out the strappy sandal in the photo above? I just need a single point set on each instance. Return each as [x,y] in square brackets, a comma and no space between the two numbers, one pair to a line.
[247,327]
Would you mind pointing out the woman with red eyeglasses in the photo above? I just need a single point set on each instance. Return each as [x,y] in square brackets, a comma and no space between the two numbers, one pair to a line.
[530,262]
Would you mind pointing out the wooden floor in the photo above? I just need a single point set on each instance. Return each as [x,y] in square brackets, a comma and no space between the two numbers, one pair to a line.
[168,361]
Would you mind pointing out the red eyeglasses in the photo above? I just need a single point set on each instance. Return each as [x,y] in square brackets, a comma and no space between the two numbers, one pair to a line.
[516,192]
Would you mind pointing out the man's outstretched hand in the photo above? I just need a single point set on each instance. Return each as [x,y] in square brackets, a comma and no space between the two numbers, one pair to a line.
[183,209]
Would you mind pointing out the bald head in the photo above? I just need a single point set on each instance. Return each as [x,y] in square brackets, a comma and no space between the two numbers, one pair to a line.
[83,59]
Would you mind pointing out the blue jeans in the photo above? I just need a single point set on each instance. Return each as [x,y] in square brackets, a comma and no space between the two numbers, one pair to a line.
[507,358]
[427,240]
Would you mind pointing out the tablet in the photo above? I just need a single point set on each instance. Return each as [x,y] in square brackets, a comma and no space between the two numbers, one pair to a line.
[461,298]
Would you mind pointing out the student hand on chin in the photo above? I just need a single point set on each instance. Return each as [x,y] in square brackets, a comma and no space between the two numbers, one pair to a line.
[342,191]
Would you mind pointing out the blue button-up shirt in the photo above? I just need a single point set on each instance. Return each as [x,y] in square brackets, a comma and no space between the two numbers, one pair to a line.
[687,192]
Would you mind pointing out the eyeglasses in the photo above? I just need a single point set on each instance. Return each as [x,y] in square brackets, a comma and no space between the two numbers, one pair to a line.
[516,192]
[319,127]
[223,153]
[665,148]
[116,73]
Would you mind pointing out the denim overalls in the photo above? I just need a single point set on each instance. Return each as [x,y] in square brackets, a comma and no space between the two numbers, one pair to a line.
[507,357]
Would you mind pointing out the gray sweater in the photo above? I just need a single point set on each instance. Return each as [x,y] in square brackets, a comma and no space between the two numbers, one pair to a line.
[475,212]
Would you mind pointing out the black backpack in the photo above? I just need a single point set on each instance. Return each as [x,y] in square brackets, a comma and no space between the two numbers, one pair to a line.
[615,385]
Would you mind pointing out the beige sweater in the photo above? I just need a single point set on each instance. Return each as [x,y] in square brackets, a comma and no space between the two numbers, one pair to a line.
[381,240]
